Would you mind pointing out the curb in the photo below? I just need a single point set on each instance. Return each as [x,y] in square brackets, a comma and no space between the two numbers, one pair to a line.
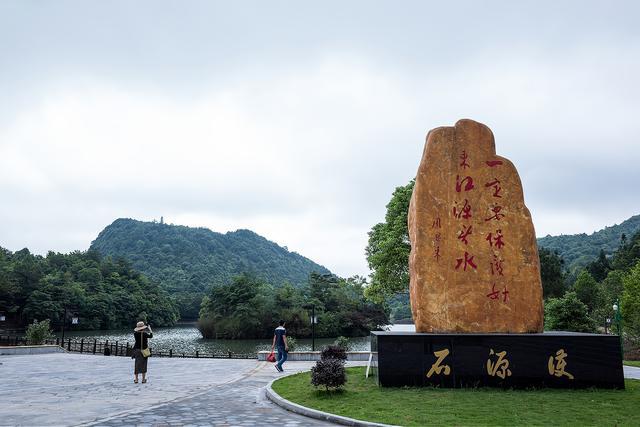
[23,350]
[314,413]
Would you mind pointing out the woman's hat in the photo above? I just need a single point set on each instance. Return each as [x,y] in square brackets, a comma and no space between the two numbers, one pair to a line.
[140,326]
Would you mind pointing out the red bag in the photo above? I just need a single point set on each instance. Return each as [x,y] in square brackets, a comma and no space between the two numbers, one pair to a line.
[271,357]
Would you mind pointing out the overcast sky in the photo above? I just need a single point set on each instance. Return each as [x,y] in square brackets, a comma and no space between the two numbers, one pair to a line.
[298,119]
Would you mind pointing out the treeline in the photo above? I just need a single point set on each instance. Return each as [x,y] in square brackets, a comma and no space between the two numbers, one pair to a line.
[104,293]
[248,307]
[187,261]
[582,301]
[578,250]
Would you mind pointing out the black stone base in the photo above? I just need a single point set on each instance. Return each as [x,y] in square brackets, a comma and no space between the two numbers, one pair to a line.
[550,359]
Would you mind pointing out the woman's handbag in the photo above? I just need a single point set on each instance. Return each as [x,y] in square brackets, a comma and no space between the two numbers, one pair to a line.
[271,357]
[145,351]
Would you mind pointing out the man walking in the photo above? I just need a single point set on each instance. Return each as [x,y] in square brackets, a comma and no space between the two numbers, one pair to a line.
[280,341]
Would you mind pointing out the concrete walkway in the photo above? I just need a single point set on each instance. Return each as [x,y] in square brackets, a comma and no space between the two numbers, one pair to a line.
[73,389]
[632,372]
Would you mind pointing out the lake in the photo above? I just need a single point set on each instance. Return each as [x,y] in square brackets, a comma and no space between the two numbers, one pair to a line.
[186,338]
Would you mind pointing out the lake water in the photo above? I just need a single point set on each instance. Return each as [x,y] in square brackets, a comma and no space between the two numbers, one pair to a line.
[185,338]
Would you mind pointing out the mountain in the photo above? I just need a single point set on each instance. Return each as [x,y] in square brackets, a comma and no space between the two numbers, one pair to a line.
[578,250]
[187,261]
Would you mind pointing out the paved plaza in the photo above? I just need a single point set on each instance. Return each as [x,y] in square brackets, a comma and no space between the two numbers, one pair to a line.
[74,389]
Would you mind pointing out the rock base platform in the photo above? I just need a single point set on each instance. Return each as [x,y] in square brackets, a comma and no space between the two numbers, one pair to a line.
[550,359]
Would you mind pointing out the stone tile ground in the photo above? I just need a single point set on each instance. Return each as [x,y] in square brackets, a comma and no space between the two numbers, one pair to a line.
[73,389]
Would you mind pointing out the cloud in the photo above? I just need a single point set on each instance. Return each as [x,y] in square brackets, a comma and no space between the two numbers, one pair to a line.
[275,155]
[303,139]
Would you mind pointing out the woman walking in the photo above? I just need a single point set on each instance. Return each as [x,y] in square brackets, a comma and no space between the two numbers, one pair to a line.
[140,353]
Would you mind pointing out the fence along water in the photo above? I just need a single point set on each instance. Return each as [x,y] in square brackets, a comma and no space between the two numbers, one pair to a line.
[121,348]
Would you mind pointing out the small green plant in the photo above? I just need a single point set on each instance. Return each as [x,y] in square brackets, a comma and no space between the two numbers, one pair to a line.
[333,352]
[38,332]
[329,370]
[343,342]
[329,373]
[292,343]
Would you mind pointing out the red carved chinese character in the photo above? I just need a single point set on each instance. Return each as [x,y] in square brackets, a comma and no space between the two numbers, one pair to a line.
[464,158]
[496,266]
[495,240]
[467,181]
[438,237]
[464,233]
[468,260]
[436,223]
[496,213]
[495,293]
[436,255]
[464,213]
[492,163]
[496,187]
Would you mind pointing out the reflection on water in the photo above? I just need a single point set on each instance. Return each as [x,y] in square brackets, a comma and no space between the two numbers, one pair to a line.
[185,338]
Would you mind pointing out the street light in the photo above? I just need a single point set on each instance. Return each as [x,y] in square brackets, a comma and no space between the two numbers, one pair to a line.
[74,320]
[313,319]
[617,317]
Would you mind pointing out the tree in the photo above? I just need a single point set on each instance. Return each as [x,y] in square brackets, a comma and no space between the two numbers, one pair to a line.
[388,248]
[553,280]
[628,255]
[567,314]
[588,291]
[248,308]
[612,287]
[38,332]
[600,267]
[630,303]
[105,294]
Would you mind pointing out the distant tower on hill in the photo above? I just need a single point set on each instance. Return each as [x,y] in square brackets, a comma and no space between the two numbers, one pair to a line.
[161,220]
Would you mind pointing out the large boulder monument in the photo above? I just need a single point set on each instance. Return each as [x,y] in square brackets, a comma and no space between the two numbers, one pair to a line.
[474,260]
[475,287]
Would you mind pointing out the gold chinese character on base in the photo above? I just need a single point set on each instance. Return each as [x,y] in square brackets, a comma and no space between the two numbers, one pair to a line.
[500,367]
[557,364]
[436,368]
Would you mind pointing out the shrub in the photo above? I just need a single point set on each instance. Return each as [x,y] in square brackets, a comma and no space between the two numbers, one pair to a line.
[38,332]
[630,303]
[207,327]
[329,373]
[333,352]
[567,314]
[292,343]
[343,342]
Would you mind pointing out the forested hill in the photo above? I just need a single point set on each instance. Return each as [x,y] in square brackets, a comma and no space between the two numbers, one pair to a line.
[186,261]
[578,250]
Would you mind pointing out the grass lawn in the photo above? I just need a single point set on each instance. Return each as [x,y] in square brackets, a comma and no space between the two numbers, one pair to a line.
[364,400]
[635,363]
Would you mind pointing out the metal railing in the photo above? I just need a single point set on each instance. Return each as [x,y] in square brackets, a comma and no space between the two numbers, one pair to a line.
[117,348]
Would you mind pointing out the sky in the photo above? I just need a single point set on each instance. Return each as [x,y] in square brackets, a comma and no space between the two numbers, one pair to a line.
[298,119]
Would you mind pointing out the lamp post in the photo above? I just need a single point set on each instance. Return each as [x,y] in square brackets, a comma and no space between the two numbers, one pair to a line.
[617,317]
[74,320]
[314,320]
